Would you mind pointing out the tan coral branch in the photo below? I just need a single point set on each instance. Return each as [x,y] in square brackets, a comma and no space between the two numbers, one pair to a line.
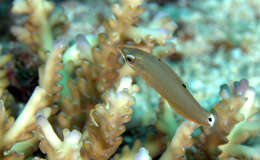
[101,141]
[26,118]
[50,75]
[68,149]
[180,141]
[4,59]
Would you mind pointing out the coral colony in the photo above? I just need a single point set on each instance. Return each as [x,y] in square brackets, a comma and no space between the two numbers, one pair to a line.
[66,92]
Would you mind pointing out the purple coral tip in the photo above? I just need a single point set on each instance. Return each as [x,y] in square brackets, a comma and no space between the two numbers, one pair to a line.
[241,86]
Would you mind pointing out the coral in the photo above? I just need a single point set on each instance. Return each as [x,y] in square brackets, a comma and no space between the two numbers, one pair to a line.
[150,33]
[182,140]
[158,31]
[91,102]
[49,74]
[122,29]
[167,119]
[5,122]
[93,62]
[104,128]
[128,153]
[41,26]
[68,149]
[3,72]
[246,128]
[97,69]
[88,104]
[236,122]
[25,119]
[94,59]
[22,129]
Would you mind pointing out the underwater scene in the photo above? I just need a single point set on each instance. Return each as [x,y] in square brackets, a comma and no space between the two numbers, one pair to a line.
[129,79]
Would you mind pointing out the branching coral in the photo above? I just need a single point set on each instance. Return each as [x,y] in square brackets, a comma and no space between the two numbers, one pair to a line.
[180,142]
[93,63]
[22,129]
[167,119]
[158,31]
[124,28]
[128,153]
[68,149]
[85,94]
[105,124]
[247,128]
[102,67]
[104,57]
[147,34]
[25,119]
[3,80]
[49,75]
[5,122]
[38,30]
[237,120]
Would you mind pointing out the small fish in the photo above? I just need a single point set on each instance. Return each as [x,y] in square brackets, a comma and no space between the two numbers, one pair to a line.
[165,81]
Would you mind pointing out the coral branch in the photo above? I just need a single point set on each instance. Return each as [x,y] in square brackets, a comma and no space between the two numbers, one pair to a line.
[4,59]
[237,120]
[68,149]
[38,30]
[42,96]
[101,141]
[249,127]
[40,11]
[127,153]
[50,75]
[26,118]
[5,123]
[180,142]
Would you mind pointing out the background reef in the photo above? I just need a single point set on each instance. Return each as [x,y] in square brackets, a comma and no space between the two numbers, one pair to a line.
[66,93]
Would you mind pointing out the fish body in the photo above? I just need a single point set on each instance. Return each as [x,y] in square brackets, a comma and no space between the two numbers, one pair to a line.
[168,84]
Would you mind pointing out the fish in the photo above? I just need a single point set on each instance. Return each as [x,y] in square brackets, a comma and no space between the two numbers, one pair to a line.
[168,84]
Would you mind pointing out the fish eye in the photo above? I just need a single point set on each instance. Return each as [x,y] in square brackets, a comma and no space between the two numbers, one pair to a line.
[130,58]
[211,120]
